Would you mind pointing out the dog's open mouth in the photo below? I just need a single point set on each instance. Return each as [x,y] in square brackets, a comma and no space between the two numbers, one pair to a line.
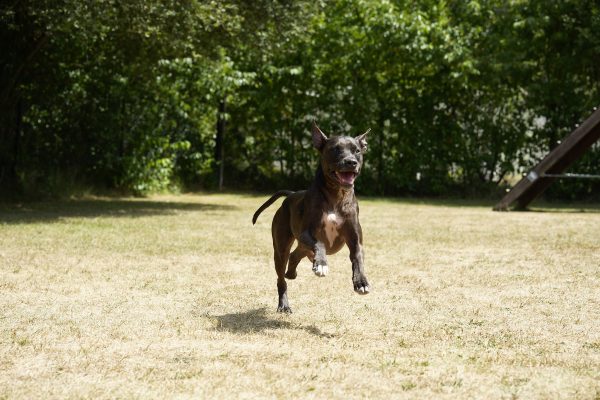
[346,177]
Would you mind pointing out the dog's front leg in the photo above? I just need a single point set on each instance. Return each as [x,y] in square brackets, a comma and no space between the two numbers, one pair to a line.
[320,267]
[354,242]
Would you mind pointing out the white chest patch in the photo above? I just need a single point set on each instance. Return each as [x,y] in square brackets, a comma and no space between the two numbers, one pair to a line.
[333,222]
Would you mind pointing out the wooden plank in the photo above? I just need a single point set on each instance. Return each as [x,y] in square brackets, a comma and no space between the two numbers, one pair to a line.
[560,158]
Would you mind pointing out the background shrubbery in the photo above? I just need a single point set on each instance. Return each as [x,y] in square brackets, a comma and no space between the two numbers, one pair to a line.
[125,95]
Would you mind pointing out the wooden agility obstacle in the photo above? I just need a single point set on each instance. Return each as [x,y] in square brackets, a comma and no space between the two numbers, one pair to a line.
[552,166]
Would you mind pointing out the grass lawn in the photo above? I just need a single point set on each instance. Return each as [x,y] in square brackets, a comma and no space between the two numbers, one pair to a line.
[175,296]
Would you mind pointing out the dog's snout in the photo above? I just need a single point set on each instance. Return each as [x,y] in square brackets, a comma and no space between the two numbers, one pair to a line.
[351,162]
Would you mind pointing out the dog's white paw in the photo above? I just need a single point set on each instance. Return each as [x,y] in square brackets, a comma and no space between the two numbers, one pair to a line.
[363,290]
[361,286]
[320,270]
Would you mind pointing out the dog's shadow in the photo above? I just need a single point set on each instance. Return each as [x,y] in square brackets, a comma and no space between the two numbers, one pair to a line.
[259,320]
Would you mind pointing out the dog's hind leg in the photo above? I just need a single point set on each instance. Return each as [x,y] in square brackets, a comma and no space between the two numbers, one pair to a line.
[297,255]
[282,243]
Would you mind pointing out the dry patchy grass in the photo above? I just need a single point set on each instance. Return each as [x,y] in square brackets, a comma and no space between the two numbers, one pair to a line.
[176,297]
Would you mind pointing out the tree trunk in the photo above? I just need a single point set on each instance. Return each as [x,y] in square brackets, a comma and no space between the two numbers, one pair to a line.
[292,155]
[219,143]
[10,136]
[380,141]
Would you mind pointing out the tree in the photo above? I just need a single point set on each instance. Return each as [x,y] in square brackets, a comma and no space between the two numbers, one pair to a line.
[458,95]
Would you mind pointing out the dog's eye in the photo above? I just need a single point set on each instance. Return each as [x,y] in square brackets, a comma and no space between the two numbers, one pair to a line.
[357,151]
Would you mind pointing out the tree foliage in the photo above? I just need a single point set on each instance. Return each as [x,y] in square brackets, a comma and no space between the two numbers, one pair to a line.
[459,95]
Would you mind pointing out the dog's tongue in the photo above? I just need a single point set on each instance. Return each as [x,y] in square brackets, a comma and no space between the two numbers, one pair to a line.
[346,178]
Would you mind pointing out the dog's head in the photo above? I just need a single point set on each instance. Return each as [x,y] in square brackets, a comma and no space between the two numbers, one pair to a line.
[341,156]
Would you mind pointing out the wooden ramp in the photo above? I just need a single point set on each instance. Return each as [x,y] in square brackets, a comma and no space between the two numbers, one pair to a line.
[560,158]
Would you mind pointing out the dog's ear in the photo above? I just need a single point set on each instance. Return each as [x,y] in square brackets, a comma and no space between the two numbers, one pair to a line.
[362,141]
[318,138]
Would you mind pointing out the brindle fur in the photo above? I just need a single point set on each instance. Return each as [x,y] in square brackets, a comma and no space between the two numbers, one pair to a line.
[303,216]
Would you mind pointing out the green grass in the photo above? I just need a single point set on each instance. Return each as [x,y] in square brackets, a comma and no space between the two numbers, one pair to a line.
[175,296]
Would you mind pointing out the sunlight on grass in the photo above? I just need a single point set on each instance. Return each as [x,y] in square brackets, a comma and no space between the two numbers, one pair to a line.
[176,296]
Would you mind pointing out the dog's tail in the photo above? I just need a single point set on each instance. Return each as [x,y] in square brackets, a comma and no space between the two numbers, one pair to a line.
[262,208]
